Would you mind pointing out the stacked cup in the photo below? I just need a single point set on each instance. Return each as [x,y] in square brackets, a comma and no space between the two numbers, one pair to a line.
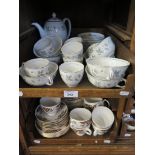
[38,72]
[52,118]
[106,72]
[80,121]
[72,51]
[102,120]
[48,47]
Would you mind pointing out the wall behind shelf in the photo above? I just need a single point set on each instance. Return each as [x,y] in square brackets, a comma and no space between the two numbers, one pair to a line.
[83,13]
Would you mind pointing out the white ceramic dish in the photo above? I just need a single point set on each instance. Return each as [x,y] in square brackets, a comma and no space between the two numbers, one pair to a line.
[47,46]
[102,117]
[44,118]
[105,48]
[103,83]
[107,68]
[50,104]
[36,67]
[72,51]
[41,80]
[71,73]
[53,134]
[98,131]
[80,119]
[92,102]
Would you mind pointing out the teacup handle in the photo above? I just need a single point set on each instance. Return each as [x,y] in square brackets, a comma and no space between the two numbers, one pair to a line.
[106,101]
[95,133]
[50,81]
[121,86]
[72,125]
[88,131]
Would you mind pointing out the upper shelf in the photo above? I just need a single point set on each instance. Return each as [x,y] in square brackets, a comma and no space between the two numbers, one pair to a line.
[85,89]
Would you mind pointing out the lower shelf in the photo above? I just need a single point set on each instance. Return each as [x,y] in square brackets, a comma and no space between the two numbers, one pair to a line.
[70,137]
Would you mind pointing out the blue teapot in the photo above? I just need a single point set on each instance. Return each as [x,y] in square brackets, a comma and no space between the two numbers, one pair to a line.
[55,27]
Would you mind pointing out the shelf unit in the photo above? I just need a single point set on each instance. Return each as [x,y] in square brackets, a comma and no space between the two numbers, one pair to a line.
[70,144]
[85,89]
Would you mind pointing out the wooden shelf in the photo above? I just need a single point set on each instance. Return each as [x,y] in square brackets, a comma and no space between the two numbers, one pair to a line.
[70,137]
[85,89]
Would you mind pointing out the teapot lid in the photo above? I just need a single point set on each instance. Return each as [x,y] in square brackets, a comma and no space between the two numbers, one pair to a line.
[54,18]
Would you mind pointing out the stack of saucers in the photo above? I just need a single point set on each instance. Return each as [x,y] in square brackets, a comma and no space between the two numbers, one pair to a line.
[38,72]
[52,118]
[49,47]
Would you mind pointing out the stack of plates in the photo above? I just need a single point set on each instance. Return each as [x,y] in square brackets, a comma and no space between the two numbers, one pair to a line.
[51,126]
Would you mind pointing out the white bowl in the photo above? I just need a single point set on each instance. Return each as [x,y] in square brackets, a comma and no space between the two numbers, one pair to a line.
[47,46]
[72,51]
[102,83]
[107,68]
[71,73]
[41,80]
[36,67]
[102,117]
[105,48]
[74,39]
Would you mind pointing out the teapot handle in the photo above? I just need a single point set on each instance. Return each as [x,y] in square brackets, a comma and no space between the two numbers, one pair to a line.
[69,26]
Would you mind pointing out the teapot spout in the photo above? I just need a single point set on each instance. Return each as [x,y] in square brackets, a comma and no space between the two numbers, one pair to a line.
[40,29]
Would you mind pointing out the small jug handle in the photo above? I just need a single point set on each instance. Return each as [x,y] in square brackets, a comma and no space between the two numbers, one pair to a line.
[69,26]
[105,100]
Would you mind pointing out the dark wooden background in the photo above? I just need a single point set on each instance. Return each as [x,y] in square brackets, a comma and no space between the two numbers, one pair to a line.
[83,13]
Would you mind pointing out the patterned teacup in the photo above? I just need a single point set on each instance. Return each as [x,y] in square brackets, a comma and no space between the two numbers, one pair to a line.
[80,120]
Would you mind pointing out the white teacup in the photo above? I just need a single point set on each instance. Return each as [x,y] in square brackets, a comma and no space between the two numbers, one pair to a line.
[36,67]
[71,73]
[80,120]
[72,51]
[98,131]
[102,117]
[92,102]
[50,104]
[107,68]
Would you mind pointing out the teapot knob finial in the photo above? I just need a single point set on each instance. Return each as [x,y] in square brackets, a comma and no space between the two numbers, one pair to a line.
[54,15]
